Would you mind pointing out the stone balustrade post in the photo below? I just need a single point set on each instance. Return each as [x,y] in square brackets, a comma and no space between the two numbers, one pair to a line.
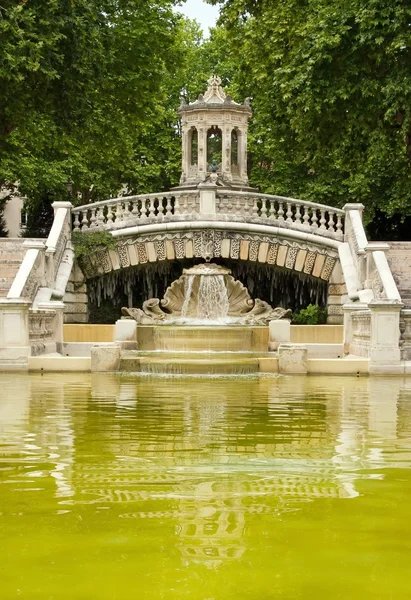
[208,198]
[14,335]
[385,354]
[58,321]
[348,310]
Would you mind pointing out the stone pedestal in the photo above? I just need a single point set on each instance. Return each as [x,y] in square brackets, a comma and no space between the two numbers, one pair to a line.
[14,335]
[292,358]
[208,198]
[385,355]
[126,334]
[280,332]
[348,310]
[105,357]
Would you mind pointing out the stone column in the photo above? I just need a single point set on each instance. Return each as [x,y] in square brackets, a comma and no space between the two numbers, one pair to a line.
[14,335]
[385,353]
[242,153]
[226,152]
[202,153]
[184,154]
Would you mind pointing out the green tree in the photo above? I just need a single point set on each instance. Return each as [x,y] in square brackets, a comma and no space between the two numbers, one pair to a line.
[332,97]
[89,89]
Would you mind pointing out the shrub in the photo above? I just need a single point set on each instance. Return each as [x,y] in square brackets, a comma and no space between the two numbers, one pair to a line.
[312,315]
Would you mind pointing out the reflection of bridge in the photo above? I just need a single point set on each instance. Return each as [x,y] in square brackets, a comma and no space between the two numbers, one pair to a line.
[213,214]
[211,484]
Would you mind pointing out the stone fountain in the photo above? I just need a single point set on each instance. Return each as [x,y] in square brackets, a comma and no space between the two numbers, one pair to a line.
[206,323]
[206,294]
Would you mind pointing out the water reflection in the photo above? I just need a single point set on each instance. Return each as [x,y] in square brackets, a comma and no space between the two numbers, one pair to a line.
[203,455]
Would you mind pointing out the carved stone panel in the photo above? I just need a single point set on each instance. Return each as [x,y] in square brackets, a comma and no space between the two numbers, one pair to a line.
[328,268]
[160,247]
[123,256]
[272,254]
[309,262]
[142,253]
[180,248]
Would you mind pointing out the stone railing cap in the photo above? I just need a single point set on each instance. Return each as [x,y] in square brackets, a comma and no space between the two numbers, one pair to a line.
[374,246]
[354,206]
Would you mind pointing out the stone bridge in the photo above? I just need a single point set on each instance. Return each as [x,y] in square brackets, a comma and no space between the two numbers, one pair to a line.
[212,215]
[208,223]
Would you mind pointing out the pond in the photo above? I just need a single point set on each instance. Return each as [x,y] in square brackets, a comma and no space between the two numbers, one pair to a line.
[117,487]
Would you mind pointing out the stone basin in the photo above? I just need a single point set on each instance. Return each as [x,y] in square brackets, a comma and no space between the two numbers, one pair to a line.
[235,338]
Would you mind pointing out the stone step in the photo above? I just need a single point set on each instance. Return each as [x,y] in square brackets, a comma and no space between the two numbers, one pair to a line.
[191,366]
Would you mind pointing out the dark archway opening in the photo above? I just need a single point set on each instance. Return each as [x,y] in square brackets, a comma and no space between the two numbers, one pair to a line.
[131,287]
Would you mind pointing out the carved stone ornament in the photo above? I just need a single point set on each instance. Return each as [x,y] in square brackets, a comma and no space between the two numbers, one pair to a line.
[182,298]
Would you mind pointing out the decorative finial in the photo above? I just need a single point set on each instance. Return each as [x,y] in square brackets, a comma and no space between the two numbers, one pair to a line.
[215,92]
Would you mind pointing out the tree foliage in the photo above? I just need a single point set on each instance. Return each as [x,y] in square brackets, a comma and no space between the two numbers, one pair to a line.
[332,97]
[89,90]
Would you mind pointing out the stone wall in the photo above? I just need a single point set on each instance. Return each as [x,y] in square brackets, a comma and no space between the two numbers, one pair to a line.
[399,259]
[75,298]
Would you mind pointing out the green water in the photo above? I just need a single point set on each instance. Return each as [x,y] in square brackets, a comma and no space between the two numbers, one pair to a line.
[209,489]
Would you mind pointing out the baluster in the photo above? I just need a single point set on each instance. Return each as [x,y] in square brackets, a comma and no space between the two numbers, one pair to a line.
[99,217]
[331,221]
[339,226]
[134,210]
[168,212]
[184,207]
[144,212]
[246,208]
[254,208]
[119,213]
[151,209]
[289,213]
[280,212]
[126,213]
[238,207]
[297,214]
[176,206]
[76,223]
[306,217]
[314,219]
[229,205]
[322,219]
[272,210]
[84,220]
[93,218]
[110,215]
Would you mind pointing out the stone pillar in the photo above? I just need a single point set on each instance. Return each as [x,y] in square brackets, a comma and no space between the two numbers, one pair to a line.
[202,153]
[280,333]
[14,335]
[208,197]
[184,154]
[242,153]
[385,353]
[337,296]
[226,152]
[75,298]
[126,334]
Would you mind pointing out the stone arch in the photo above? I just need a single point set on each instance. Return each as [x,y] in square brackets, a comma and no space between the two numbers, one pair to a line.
[298,256]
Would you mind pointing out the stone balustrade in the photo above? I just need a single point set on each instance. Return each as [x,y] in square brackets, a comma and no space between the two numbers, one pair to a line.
[41,325]
[282,212]
[128,211]
[208,202]
[361,333]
